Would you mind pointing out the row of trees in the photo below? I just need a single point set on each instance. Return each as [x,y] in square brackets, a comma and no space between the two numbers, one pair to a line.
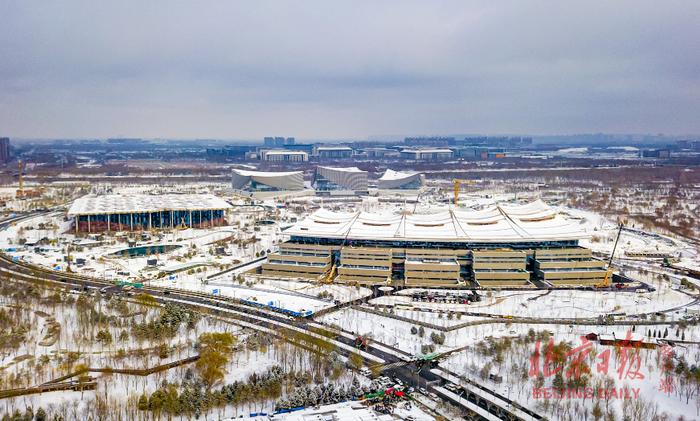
[27,415]
[196,397]
[322,394]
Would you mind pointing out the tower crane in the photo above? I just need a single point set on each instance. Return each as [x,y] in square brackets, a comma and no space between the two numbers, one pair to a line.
[20,190]
[458,183]
[21,193]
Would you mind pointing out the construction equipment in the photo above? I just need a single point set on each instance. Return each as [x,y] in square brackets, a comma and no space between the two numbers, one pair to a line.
[20,191]
[457,184]
[182,225]
[609,272]
[330,275]
[361,342]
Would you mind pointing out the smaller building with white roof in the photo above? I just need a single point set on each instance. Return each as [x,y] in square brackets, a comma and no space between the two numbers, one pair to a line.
[334,178]
[267,181]
[400,180]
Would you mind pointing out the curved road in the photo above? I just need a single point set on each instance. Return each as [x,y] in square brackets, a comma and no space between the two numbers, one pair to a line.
[486,407]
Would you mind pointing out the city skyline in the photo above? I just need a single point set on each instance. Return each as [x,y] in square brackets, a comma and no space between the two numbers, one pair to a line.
[347,70]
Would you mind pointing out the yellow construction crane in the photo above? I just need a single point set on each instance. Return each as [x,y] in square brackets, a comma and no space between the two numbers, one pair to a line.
[458,183]
[607,281]
[182,225]
[330,275]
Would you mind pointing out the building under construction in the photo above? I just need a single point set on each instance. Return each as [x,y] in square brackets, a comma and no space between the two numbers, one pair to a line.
[504,246]
[147,212]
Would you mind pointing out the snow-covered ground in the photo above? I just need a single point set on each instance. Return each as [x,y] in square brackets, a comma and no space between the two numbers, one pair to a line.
[468,361]
[347,411]
[446,327]
[518,382]
[551,305]
[37,360]
[100,257]
[291,295]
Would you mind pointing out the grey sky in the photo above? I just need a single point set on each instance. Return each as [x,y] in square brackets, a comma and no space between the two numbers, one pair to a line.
[236,69]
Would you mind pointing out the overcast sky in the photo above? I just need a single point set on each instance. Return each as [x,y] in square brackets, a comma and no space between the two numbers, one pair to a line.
[350,69]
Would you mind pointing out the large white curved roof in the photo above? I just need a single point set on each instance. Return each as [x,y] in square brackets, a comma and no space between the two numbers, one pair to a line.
[289,180]
[391,175]
[343,169]
[531,222]
[135,203]
[398,179]
[249,173]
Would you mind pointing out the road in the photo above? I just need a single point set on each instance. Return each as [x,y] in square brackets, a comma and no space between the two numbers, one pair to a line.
[465,393]
[275,323]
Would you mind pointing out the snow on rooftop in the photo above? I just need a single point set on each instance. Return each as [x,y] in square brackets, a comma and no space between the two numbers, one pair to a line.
[343,169]
[334,148]
[248,173]
[427,150]
[392,175]
[285,152]
[518,223]
[117,203]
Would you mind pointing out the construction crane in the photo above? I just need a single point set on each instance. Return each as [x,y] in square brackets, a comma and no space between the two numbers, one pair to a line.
[609,271]
[21,193]
[330,275]
[458,183]
[182,225]
[20,190]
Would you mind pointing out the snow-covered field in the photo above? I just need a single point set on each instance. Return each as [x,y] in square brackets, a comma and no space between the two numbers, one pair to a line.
[194,246]
[291,295]
[514,362]
[65,330]
[350,411]
[551,305]
[443,327]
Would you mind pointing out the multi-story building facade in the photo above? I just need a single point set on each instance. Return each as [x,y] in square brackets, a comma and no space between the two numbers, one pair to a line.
[427,154]
[501,247]
[283,155]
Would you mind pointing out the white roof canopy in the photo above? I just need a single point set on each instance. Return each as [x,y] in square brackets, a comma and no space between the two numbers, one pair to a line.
[134,203]
[391,175]
[505,223]
[343,169]
[250,173]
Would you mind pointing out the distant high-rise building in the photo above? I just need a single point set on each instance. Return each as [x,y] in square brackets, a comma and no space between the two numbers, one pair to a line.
[277,142]
[126,141]
[4,150]
[429,141]
[495,141]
